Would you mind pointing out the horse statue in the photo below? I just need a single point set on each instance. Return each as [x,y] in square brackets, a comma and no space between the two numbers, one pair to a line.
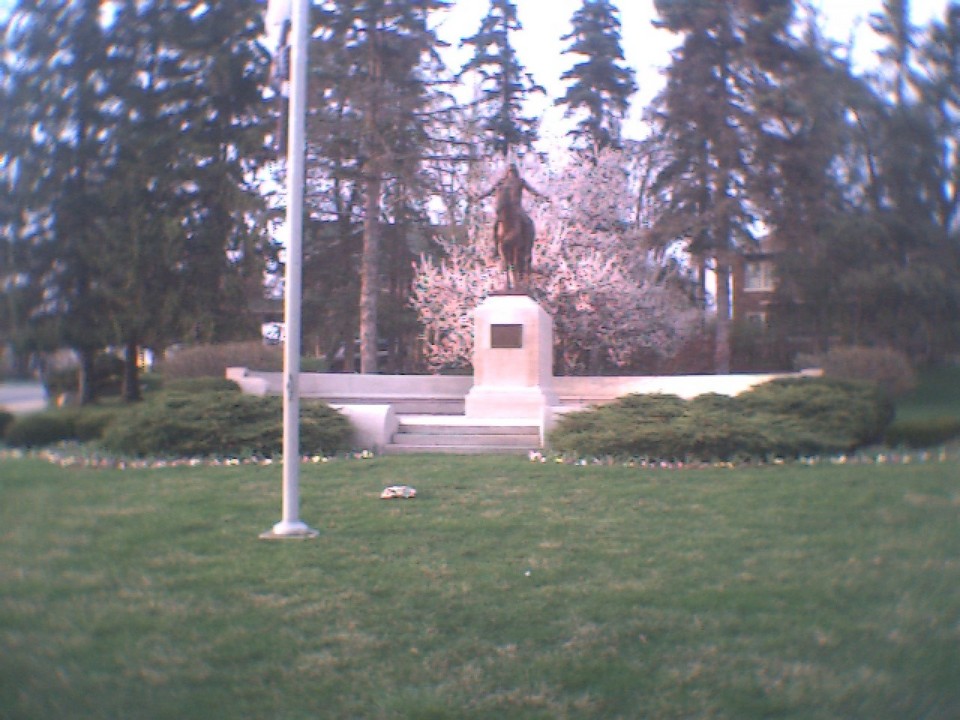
[513,230]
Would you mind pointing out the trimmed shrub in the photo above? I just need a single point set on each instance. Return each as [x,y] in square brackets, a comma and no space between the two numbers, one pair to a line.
[835,415]
[51,426]
[40,429]
[782,418]
[620,427]
[923,433]
[888,369]
[212,360]
[90,423]
[222,423]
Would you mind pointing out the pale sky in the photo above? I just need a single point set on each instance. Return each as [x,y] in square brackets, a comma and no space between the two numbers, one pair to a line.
[646,48]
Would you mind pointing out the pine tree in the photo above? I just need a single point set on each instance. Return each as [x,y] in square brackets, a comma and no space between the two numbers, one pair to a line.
[138,142]
[940,94]
[893,24]
[16,296]
[804,184]
[709,125]
[376,66]
[600,85]
[503,82]
[180,195]
[62,131]
[908,294]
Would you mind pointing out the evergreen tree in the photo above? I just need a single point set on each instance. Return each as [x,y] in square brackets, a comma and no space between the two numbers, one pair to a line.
[137,129]
[504,84]
[709,123]
[807,166]
[376,67]
[62,130]
[908,296]
[600,85]
[860,195]
[893,24]
[180,197]
[940,94]
[14,292]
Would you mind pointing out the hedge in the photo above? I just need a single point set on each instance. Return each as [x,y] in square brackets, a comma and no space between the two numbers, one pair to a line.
[222,423]
[791,417]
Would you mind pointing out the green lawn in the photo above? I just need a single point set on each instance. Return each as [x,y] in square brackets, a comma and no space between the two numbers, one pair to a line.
[937,395]
[507,589]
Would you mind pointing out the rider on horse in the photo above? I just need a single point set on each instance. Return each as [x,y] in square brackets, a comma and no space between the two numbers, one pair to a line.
[513,230]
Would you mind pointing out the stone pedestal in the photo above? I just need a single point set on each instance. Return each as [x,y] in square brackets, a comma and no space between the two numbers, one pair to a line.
[512,360]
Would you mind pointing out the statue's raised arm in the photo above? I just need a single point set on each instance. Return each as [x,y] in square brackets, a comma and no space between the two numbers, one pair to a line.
[532,189]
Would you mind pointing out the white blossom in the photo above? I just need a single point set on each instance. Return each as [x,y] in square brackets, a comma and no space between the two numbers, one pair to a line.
[591,273]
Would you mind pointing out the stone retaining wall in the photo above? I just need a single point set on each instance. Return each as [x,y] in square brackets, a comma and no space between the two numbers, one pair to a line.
[418,392]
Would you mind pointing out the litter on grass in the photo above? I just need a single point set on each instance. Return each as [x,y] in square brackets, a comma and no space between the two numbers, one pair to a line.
[398,491]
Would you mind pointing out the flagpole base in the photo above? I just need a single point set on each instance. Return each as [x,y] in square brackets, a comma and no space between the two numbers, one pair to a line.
[286,530]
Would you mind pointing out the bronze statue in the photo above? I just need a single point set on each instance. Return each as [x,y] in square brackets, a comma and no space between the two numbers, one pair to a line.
[513,230]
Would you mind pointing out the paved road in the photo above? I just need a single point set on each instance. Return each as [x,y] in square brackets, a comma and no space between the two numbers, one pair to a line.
[22,397]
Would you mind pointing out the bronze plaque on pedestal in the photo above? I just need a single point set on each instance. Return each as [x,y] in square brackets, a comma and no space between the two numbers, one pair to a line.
[506,336]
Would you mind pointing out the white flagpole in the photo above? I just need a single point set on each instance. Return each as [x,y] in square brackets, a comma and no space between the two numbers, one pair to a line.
[290,525]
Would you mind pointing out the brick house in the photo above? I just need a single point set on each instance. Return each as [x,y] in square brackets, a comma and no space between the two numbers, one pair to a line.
[759,341]
[755,285]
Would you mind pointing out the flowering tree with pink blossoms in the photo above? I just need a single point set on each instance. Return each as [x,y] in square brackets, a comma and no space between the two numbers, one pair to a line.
[610,302]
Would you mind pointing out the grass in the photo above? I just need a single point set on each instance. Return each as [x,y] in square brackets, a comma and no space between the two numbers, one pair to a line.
[507,589]
[937,395]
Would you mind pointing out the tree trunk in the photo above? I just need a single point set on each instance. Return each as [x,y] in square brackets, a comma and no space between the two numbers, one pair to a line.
[86,389]
[721,356]
[370,276]
[131,373]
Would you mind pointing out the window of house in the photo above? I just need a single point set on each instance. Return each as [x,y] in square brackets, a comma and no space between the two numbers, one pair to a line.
[758,276]
[757,320]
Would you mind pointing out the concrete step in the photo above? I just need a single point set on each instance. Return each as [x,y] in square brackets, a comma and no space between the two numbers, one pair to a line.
[393,449]
[458,434]
[486,439]
[472,430]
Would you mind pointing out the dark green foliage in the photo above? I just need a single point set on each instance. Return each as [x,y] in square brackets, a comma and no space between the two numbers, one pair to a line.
[41,429]
[377,69]
[937,395]
[128,158]
[90,423]
[189,386]
[52,426]
[600,86]
[192,418]
[783,418]
[841,414]
[191,424]
[922,432]
[504,83]
[6,420]
[107,378]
